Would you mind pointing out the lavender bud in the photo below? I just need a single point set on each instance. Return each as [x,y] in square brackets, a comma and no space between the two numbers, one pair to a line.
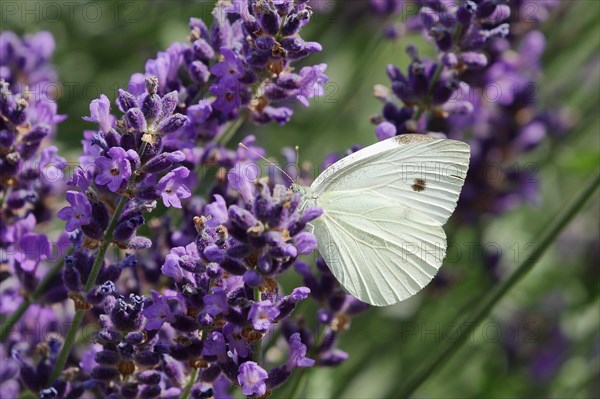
[278,376]
[126,101]
[149,193]
[203,51]
[134,338]
[486,9]
[333,358]
[213,253]
[269,19]
[139,243]
[308,49]
[264,42]
[450,60]
[305,243]
[108,337]
[107,357]
[146,358]
[36,134]
[113,139]
[199,72]
[149,377]
[172,123]
[252,278]
[293,44]
[238,251]
[100,215]
[443,91]
[242,218]
[284,7]
[151,106]
[184,323]
[163,161]
[466,12]
[150,391]
[293,22]
[129,390]
[443,40]
[135,120]
[126,229]
[233,266]
[71,276]
[169,103]
[428,17]
[104,373]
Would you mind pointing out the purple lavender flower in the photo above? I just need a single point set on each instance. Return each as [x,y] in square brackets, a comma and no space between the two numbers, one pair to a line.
[297,356]
[252,379]
[163,309]
[172,187]
[177,257]
[262,314]
[78,213]
[115,169]
[100,113]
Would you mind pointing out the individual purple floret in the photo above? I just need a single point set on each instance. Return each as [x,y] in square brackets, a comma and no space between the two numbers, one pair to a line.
[252,379]
[78,213]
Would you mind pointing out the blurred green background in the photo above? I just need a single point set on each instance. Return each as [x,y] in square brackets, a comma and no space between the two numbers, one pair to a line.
[549,322]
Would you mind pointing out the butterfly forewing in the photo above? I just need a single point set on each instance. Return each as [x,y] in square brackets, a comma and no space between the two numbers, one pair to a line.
[424,174]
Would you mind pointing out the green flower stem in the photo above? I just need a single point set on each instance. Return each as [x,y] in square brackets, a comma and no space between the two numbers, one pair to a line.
[489,300]
[188,387]
[35,295]
[257,344]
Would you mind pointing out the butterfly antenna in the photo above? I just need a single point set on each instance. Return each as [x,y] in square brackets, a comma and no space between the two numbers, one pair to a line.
[244,146]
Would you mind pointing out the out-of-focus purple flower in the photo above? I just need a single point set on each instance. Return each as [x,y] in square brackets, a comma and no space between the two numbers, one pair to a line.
[78,213]
[25,62]
[311,83]
[385,130]
[252,379]
[297,356]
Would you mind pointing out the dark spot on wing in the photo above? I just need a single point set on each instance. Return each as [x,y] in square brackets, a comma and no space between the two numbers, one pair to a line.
[419,185]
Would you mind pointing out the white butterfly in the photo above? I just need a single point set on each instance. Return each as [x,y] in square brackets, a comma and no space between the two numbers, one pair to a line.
[383,211]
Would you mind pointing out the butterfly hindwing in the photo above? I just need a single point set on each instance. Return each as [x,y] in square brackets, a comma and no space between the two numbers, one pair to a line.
[380,252]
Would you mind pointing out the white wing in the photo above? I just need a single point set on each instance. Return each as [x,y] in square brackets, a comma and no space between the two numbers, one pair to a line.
[382,252]
[383,208]
[397,168]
